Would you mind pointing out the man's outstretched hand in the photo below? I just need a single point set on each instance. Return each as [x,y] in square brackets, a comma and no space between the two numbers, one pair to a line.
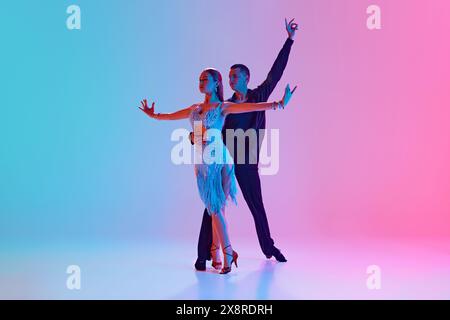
[291,27]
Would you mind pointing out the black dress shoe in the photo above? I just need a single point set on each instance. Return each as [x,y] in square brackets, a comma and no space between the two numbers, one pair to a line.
[200,265]
[277,254]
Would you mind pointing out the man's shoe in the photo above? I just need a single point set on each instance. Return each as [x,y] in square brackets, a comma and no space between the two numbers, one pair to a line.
[277,254]
[200,265]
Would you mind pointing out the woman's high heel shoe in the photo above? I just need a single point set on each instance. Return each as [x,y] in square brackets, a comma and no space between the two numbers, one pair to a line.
[226,270]
[214,264]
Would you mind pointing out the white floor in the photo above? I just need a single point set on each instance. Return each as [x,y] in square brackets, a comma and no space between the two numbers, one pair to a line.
[316,269]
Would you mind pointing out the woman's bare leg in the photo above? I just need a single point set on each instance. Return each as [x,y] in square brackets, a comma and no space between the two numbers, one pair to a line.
[226,181]
[215,246]
[220,223]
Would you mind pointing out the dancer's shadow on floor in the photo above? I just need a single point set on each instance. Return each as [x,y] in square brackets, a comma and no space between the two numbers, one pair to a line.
[255,285]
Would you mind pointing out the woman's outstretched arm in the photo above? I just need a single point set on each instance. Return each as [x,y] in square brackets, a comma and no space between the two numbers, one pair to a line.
[230,108]
[177,115]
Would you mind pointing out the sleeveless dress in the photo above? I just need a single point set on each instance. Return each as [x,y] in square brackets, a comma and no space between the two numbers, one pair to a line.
[212,156]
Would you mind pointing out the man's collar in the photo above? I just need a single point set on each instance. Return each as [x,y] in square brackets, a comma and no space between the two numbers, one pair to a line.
[233,97]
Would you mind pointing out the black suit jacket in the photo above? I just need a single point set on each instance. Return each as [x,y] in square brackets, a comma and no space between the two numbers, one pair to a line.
[256,120]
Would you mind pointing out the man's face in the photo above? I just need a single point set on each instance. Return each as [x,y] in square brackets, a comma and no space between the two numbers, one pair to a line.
[238,79]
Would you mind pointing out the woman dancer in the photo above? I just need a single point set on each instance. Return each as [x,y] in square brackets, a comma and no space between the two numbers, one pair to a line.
[215,179]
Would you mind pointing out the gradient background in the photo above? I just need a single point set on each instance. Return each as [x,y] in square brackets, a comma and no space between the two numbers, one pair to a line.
[365,142]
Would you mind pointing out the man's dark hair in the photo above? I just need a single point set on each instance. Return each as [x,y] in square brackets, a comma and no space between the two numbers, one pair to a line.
[242,67]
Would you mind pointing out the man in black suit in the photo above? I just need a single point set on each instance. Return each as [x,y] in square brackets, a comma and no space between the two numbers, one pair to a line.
[247,173]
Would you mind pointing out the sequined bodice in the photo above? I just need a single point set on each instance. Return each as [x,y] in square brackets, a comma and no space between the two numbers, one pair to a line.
[211,119]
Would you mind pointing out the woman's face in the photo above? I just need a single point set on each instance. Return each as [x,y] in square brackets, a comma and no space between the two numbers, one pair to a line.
[206,85]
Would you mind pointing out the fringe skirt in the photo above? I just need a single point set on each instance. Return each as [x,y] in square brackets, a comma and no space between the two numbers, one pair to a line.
[211,185]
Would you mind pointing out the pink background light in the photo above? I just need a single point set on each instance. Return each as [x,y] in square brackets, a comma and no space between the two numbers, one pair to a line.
[365,143]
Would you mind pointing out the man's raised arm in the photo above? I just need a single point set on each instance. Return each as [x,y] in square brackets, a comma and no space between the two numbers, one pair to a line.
[264,90]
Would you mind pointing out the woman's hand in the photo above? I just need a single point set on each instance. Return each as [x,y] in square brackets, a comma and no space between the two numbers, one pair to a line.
[287,96]
[148,111]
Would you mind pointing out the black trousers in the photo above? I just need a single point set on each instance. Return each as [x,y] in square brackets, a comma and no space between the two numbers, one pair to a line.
[248,179]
